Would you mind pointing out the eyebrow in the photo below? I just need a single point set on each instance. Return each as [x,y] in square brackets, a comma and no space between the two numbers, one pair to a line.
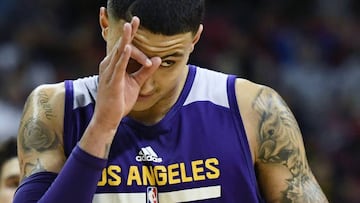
[176,54]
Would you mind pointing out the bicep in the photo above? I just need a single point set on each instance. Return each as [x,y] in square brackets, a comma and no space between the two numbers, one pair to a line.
[39,137]
[283,172]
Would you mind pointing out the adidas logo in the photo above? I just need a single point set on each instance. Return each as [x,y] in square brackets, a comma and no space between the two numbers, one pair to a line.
[148,154]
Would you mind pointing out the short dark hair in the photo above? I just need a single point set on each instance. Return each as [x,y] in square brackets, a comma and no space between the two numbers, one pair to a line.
[167,17]
[8,150]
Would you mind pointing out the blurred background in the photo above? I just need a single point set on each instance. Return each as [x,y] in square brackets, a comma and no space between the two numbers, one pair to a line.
[307,50]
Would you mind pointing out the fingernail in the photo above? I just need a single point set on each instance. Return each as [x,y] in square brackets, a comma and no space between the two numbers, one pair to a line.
[127,48]
[148,62]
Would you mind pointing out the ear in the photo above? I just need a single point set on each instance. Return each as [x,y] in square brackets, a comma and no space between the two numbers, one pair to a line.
[104,22]
[197,36]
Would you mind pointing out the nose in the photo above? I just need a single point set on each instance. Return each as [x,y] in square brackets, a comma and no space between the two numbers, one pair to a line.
[148,87]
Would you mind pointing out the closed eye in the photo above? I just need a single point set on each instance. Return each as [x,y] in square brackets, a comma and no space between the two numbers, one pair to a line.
[12,181]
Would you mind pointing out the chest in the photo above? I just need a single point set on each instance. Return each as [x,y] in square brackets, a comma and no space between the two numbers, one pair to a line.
[193,152]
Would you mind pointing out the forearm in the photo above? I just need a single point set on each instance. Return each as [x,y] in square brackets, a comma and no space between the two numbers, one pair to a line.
[97,139]
[76,182]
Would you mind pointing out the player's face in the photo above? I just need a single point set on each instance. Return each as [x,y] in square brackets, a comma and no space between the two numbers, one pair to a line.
[161,90]
[9,180]
[165,85]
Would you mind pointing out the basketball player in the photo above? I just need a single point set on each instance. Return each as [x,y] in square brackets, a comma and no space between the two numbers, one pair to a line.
[9,170]
[152,128]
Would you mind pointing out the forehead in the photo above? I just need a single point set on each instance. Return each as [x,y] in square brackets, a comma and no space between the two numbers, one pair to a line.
[151,43]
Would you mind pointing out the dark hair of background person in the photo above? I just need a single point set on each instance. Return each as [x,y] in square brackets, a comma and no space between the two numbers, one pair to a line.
[8,150]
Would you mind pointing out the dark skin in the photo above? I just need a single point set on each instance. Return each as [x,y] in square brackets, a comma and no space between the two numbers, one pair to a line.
[274,137]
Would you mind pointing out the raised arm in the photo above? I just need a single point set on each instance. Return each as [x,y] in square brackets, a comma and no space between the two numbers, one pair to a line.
[278,150]
[48,177]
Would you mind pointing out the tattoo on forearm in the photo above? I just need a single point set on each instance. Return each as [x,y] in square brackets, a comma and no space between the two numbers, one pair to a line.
[279,139]
[36,136]
[45,105]
[303,188]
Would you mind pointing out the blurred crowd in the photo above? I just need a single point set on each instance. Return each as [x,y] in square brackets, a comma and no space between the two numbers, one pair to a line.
[308,50]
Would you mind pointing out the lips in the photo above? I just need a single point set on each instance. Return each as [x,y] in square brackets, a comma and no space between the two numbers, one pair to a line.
[146,95]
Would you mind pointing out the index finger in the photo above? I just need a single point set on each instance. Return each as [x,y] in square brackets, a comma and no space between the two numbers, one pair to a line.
[136,54]
[140,57]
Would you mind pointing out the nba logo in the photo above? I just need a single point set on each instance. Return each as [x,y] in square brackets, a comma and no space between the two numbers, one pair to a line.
[152,195]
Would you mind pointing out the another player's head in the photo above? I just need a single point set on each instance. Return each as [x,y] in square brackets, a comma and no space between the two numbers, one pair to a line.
[9,170]
[168,29]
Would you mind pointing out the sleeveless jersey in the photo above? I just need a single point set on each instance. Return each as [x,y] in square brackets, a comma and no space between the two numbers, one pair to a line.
[197,153]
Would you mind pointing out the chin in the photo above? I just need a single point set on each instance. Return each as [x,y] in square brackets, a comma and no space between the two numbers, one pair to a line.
[141,106]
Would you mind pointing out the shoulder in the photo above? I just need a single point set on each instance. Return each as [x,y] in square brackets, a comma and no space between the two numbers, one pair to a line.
[250,95]
[51,91]
[45,95]
[248,90]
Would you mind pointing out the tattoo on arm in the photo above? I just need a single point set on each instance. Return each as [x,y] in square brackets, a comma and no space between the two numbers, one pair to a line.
[32,168]
[36,136]
[280,142]
[45,105]
[39,144]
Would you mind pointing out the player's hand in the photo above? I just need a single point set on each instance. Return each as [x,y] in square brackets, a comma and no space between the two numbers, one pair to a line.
[118,90]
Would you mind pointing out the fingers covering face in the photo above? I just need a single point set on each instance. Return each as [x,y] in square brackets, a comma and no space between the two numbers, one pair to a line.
[144,73]
[115,64]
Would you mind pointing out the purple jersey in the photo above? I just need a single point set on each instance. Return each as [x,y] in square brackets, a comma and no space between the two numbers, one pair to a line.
[197,152]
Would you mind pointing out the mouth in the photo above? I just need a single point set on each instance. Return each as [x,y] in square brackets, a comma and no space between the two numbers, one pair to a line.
[145,96]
